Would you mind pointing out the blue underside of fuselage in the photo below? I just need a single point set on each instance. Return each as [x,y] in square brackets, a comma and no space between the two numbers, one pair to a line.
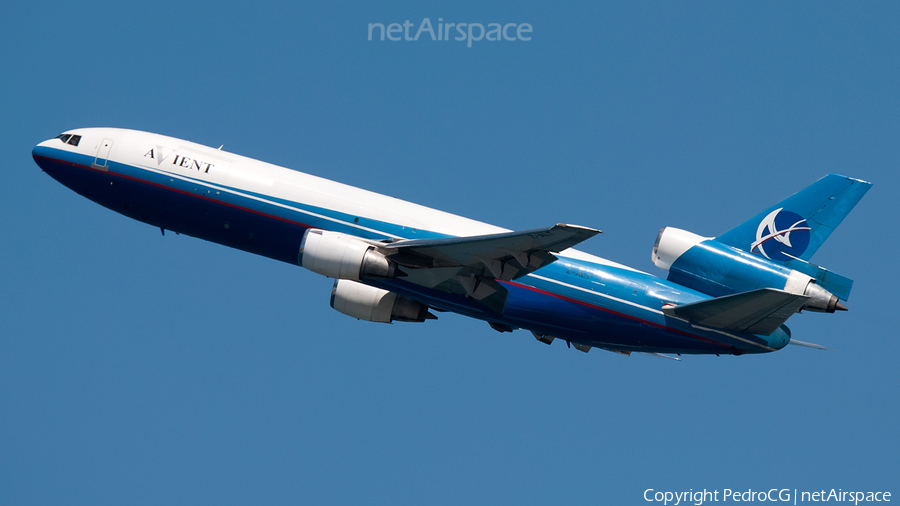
[559,310]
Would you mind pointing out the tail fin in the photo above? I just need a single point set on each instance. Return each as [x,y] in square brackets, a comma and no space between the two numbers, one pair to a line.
[791,231]
[795,227]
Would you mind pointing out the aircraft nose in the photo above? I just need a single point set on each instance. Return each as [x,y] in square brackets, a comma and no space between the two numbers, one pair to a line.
[41,153]
[38,148]
[68,142]
[52,154]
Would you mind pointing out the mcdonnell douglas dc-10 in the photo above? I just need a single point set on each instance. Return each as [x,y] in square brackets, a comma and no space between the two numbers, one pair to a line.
[397,261]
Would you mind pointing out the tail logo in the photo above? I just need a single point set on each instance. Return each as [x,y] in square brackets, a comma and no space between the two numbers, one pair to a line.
[781,236]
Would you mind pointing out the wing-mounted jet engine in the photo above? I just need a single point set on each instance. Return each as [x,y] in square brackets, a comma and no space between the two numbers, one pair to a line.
[342,256]
[466,266]
[349,259]
[373,304]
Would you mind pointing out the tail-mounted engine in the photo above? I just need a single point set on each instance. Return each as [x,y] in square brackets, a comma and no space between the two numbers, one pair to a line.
[340,256]
[376,305]
[708,266]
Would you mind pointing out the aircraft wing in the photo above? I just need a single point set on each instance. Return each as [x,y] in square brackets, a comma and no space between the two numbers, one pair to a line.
[756,312]
[472,265]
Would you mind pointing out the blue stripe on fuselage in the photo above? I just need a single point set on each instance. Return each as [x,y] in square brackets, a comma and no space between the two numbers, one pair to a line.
[310,216]
[580,301]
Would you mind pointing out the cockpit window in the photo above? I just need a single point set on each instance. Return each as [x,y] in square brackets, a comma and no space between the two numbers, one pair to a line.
[69,139]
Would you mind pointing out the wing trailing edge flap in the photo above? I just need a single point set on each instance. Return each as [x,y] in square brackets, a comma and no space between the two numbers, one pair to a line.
[506,256]
[472,265]
[760,311]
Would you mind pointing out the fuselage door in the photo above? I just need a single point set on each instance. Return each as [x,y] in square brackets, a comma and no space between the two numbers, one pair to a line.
[102,155]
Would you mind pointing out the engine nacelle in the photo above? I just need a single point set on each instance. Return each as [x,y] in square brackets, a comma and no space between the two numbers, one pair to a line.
[671,243]
[372,304]
[708,266]
[341,256]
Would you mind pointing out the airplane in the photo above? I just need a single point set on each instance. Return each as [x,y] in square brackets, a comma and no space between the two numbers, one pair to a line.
[394,260]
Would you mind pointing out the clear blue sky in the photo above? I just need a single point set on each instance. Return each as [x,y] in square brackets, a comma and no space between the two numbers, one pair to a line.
[141,369]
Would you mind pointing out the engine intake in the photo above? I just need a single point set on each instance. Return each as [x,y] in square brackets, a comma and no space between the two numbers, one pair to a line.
[341,256]
[372,304]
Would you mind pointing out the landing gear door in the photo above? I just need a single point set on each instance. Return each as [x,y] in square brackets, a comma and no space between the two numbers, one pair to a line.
[100,161]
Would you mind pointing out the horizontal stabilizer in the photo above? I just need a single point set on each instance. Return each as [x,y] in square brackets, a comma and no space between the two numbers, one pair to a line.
[756,312]
[829,280]
[660,355]
[808,345]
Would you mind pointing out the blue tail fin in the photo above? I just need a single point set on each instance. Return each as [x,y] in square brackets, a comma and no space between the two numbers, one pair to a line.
[795,227]
[789,232]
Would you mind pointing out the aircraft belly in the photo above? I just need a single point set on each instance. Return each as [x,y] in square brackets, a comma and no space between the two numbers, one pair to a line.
[593,324]
[571,320]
